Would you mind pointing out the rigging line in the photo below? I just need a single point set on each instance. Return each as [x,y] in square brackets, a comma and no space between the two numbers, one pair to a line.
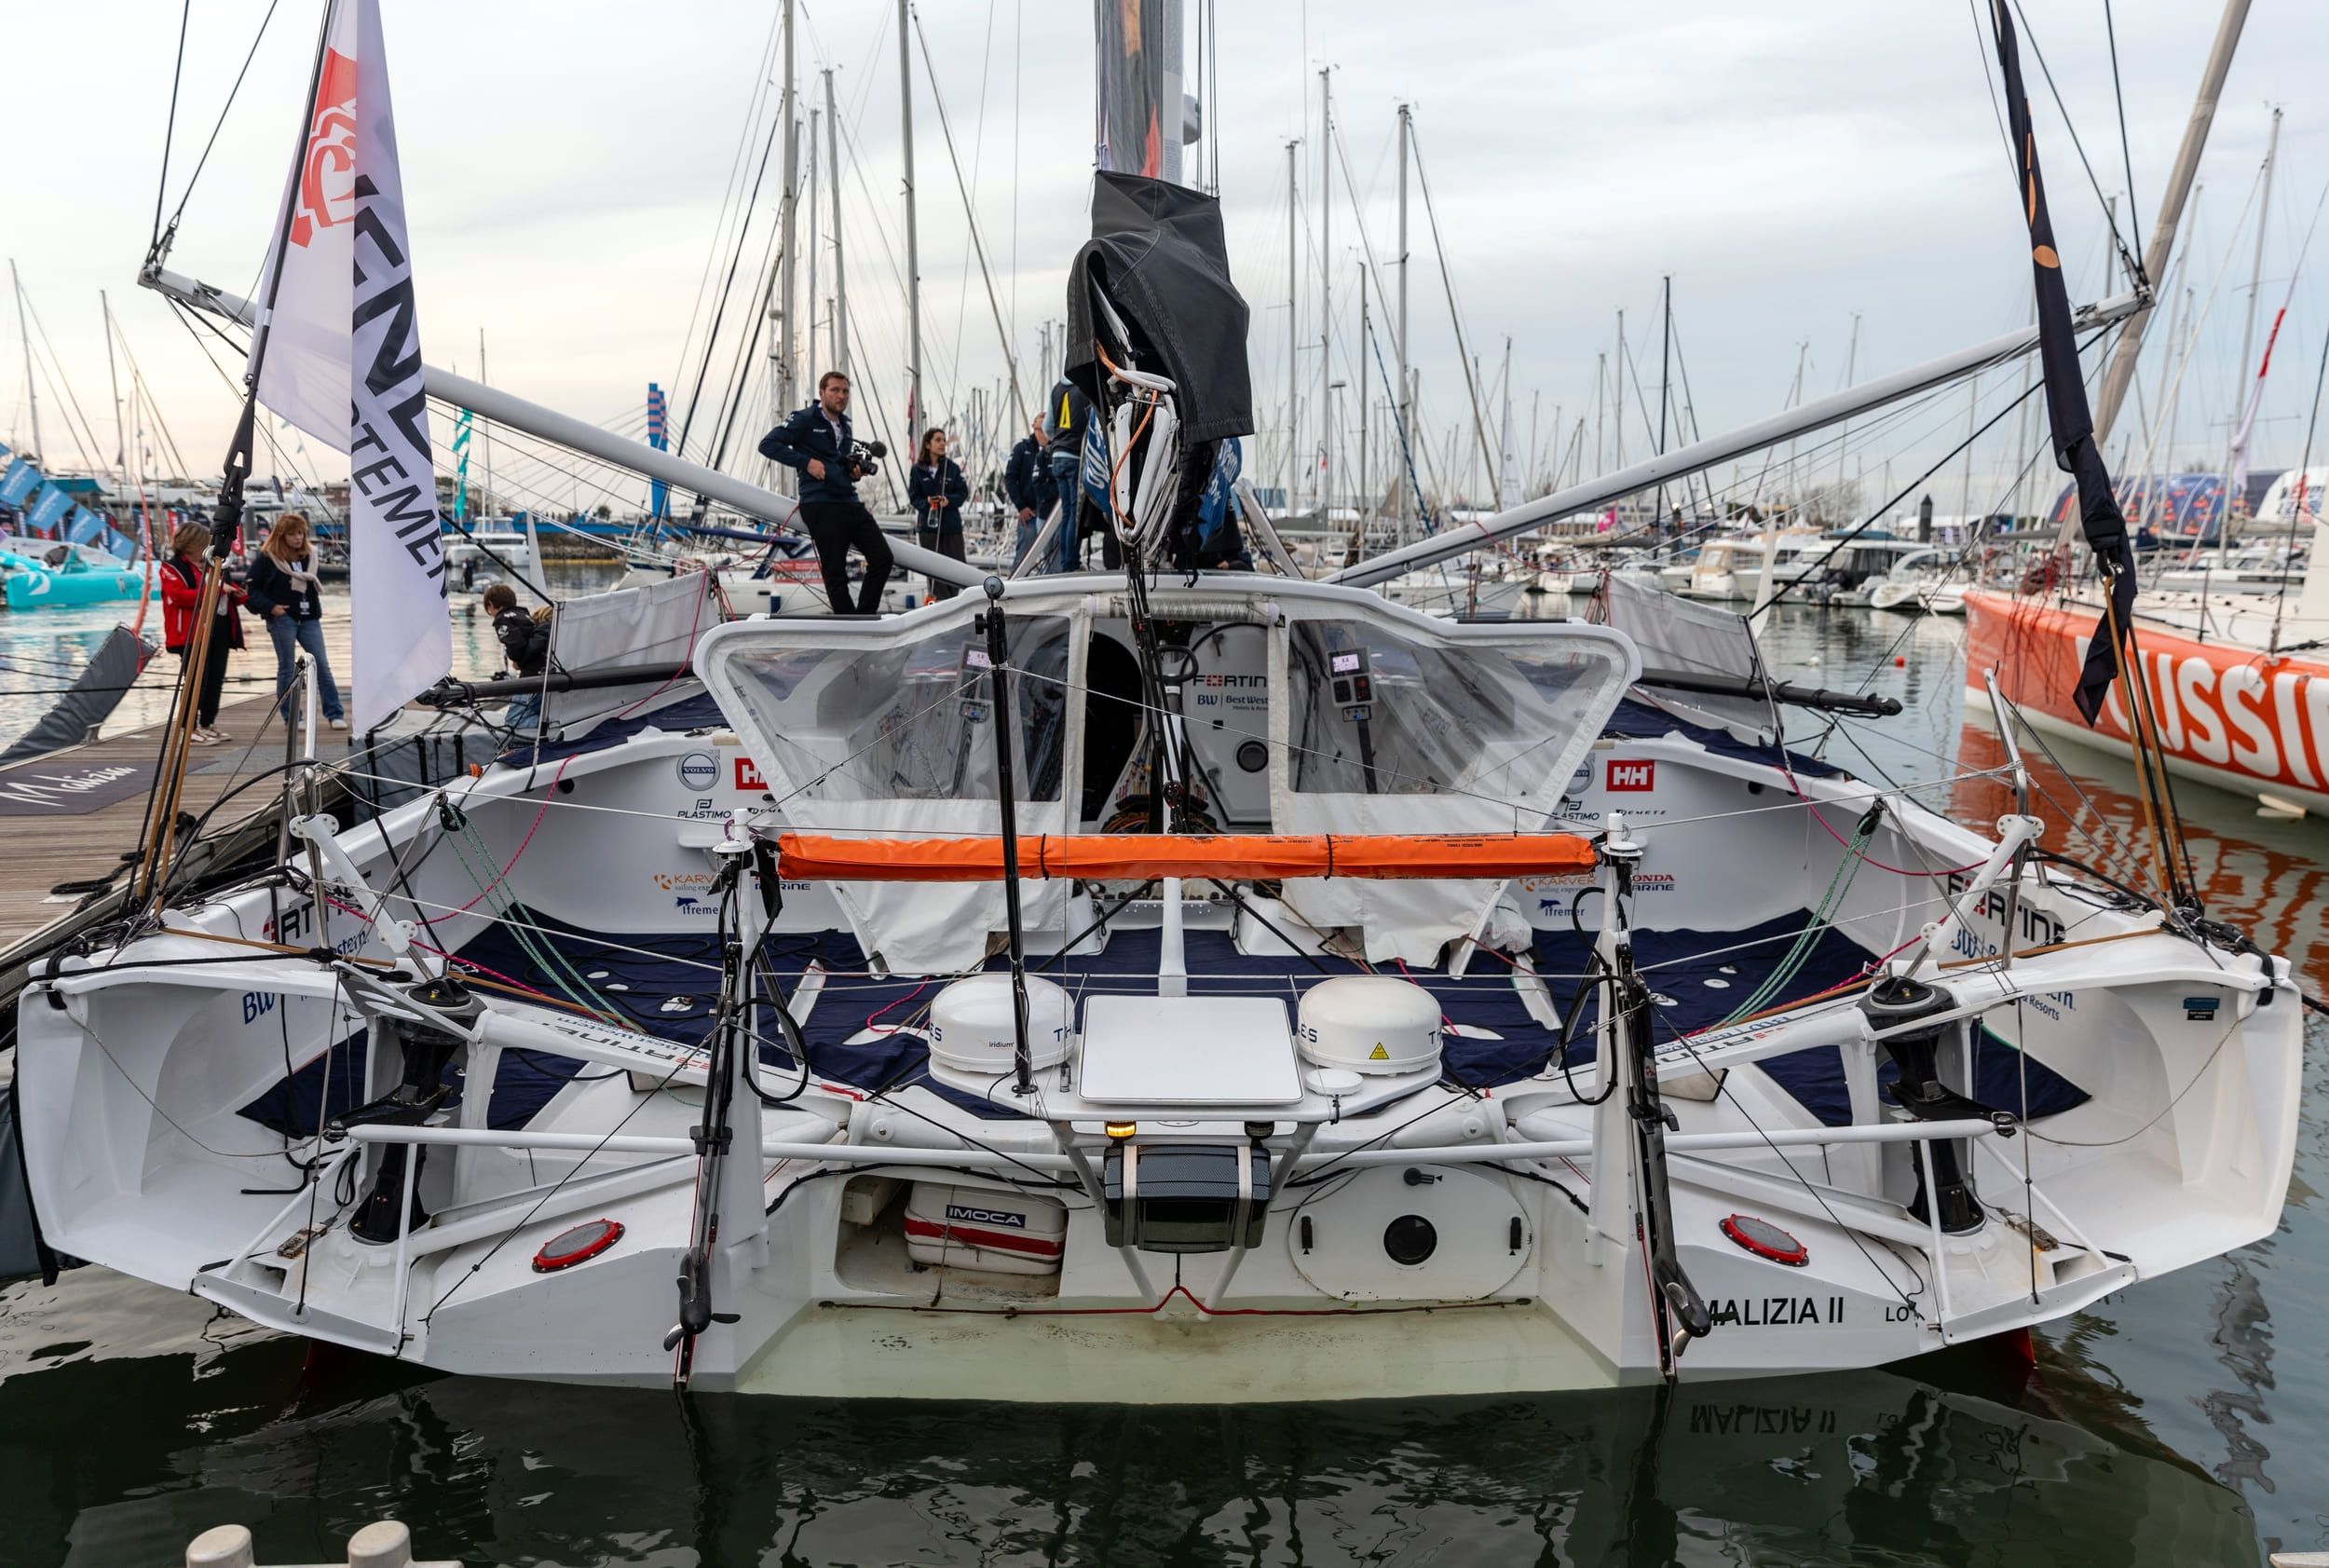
[2119,95]
[2126,258]
[138,387]
[1724,1089]
[1690,411]
[261,427]
[1480,424]
[1019,71]
[2105,843]
[169,126]
[730,190]
[978,147]
[1982,51]
[41,328]
[743,367]
[2305,500]
[969,214]
[523,1221]
[1962,559]
[727,289]
[2229,1029]
[183,197]
[1812,456]
[55,379]
[1873,517]
[1438,787]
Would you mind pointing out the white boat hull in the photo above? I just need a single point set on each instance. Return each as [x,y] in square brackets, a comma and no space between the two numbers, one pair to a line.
[142,1090]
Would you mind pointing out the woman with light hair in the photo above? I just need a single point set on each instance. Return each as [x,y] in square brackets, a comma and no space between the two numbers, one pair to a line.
[284,591]
[182,596]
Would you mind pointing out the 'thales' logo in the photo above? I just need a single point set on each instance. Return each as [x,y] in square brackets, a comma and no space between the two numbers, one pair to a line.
[699,770]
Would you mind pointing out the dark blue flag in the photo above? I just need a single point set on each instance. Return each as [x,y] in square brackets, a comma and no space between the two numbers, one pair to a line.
[2075,452]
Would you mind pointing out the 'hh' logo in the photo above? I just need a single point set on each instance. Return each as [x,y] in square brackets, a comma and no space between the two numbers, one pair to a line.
[327,182]
[748,774]
[1634,775]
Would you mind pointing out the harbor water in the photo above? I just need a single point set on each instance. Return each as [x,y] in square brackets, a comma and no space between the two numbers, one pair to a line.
[2176,1423]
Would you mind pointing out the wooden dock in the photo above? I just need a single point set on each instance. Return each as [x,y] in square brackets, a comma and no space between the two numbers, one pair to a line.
[50,839]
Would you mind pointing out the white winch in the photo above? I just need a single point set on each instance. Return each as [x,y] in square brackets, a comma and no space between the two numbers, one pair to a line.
[970,1033]
[1376,1024]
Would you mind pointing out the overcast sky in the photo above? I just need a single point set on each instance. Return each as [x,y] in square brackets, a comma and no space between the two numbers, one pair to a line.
[1788,164]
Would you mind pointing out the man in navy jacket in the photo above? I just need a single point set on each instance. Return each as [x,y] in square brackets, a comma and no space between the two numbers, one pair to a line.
[816,441]
[1028,482]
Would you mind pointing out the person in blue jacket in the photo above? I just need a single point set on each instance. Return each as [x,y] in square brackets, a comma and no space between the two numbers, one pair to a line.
[1066,417]
[817,441]
[936,490]
[1027,480]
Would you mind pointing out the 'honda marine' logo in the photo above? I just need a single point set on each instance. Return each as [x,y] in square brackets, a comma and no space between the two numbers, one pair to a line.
[327,168]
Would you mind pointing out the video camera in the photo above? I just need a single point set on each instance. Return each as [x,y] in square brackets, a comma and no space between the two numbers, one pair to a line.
[864,458]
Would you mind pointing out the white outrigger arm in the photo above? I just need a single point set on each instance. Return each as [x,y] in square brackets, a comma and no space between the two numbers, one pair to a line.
[1594,494]
[562,429]
[334,866]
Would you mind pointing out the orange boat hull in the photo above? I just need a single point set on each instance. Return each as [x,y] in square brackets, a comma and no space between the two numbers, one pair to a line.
[2228,714]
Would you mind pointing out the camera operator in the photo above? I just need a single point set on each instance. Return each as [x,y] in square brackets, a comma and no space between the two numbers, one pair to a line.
[817,442]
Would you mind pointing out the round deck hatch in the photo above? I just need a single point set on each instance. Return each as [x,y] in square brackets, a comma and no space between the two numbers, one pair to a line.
[579,1245]
[1765,1240]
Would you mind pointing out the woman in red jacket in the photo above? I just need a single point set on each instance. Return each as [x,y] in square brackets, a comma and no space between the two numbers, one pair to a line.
[181,595]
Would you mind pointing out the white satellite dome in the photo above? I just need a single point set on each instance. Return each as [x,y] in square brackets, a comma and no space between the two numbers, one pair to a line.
[971,1034]
[1375,1024]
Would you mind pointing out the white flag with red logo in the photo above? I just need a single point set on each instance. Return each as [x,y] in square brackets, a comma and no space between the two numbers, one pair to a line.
[340,361]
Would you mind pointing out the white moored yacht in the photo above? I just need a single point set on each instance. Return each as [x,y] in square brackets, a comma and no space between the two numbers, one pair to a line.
[728,999]
[1184,984]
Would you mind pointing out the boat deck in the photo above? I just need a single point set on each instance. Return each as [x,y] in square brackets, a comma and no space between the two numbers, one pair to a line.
[55,835]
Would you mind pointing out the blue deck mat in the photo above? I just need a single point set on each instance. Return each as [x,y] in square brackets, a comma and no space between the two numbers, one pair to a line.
[667,983]
[1708,974]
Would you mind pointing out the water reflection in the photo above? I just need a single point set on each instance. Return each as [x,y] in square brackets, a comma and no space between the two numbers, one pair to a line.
[1860,1467]
[2262,876]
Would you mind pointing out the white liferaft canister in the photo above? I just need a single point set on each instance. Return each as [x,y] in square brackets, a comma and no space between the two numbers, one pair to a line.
[984,1228]
[1376,1024]
[970,1031]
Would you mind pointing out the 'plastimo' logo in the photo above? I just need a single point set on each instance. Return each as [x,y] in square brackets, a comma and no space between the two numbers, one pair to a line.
[1637,775]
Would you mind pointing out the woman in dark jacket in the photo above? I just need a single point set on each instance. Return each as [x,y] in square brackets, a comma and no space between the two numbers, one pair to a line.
[181,577]
[936,490]
[284,591]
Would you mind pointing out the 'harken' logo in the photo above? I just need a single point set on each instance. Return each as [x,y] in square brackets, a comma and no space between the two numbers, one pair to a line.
[327,168]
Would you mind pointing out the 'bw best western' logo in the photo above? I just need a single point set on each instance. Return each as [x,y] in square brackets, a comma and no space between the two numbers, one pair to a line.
[1632,775]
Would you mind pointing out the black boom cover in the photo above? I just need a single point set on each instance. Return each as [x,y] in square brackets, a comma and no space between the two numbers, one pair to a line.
[1158,251]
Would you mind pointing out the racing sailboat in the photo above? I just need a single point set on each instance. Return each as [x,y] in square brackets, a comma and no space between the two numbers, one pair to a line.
[1173,983]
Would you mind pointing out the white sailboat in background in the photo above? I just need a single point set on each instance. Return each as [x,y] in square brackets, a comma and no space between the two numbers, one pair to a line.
[1181,983]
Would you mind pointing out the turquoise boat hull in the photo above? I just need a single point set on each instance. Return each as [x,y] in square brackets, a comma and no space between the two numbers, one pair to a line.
[31,586]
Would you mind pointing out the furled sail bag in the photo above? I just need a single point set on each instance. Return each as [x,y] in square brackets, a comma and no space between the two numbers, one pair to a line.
[1151,291]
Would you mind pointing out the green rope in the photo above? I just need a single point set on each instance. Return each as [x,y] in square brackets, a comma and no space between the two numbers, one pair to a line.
[502,908]
[1847,868]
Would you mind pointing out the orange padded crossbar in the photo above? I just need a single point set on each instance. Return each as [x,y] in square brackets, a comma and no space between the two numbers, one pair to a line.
[1138,856]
